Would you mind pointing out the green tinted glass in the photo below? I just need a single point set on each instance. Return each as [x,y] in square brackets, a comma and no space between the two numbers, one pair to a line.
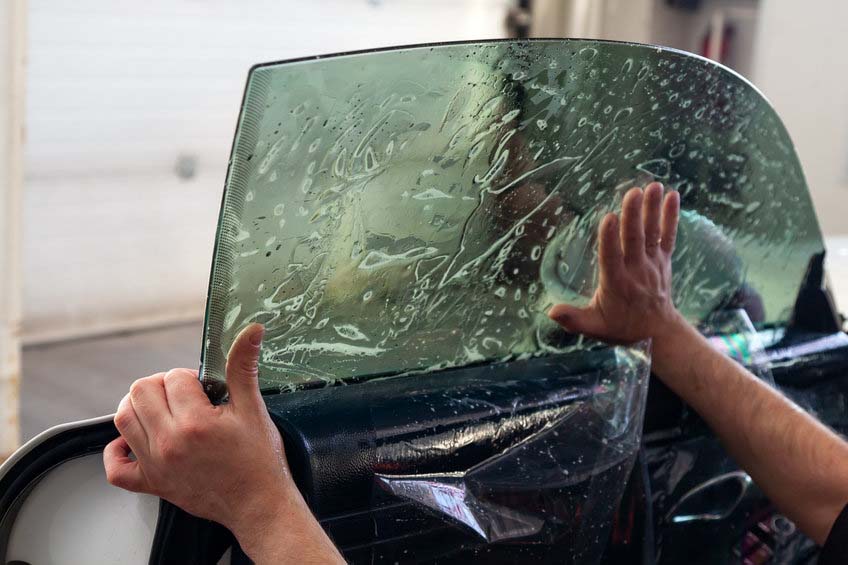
[423,207]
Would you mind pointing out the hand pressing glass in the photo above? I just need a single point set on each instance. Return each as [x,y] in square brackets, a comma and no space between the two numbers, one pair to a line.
[799,463]
[633,300]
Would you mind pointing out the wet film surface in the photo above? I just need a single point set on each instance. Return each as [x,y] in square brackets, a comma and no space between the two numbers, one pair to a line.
[561,440]
[415,212]
[496,463]
[421,208]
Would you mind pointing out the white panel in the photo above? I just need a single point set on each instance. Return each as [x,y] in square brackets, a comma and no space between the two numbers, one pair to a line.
[117,90]
[74,516]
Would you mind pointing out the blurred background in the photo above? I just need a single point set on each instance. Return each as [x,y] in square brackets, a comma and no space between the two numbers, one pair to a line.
[116,120]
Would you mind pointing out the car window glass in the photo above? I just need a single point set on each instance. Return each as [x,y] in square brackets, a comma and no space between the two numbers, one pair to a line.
[418,208]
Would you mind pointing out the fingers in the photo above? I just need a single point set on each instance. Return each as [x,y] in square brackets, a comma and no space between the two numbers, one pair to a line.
[149,402]
[129,426]
[243,368]
[648,222]
[610,255]
[121,470]
[651,210]
[184,392]
[632,229]
[587,321]
[670,217]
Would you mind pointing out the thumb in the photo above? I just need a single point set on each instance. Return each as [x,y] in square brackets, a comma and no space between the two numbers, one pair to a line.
[243,367]
[586,321]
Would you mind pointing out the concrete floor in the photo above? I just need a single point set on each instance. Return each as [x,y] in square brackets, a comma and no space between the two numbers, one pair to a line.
[80,379]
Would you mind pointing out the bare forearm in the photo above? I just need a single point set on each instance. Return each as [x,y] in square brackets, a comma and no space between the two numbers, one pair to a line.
[799,463]
[290,536]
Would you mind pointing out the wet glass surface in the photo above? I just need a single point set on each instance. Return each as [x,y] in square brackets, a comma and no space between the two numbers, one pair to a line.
[422,208]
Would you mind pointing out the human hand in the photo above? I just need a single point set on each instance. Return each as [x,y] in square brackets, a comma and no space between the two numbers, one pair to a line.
[223,463]
[633,300]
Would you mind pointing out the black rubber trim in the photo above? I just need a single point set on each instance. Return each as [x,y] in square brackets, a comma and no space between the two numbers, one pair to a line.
[814,309]
[187,540]
[28,471]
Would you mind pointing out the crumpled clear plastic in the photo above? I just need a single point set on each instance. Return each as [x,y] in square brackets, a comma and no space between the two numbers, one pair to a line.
[558,485]
[732,332]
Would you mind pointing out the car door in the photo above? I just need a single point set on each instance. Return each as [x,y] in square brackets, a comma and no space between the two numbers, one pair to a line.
[401,220]
[429,205]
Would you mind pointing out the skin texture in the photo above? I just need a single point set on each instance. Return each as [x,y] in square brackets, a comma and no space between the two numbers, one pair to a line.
[223,463]
[799,463]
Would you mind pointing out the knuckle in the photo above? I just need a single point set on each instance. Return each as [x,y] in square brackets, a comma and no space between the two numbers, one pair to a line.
[123,420]
[172,376]
[137,388]
[142,384]
[178,375]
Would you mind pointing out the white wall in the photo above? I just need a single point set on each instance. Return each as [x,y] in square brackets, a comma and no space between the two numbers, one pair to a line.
[793,51]
[801,67]
[647,21]
[117,90]
[621,20]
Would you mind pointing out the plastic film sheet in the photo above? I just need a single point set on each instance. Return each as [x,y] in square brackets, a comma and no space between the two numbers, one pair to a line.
[733,333]
[536,473]
[420,208]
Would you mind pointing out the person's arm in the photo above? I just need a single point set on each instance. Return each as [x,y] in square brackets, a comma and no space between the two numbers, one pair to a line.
[799,463]
[223,463]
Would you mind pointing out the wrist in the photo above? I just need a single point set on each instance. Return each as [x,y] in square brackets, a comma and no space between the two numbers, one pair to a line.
[672,324]
[674,335]
[678,353]
[285,531]
[267,541]
[259,514]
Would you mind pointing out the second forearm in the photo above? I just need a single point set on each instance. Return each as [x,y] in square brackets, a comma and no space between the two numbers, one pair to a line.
[800,464]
